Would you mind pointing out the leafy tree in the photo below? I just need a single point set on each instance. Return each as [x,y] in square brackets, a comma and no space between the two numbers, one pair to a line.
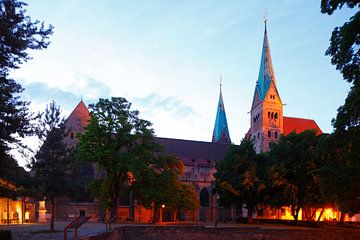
[345,161]
[52,165]
[240,178]
[160,184]
[340,173]
[17,34]
[345,55]
[120,144]
[296,157]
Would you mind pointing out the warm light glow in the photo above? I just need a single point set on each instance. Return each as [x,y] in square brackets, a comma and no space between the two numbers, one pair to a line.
[27,215]
[163,206]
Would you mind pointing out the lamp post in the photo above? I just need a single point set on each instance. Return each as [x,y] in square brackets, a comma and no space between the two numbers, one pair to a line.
[216,210]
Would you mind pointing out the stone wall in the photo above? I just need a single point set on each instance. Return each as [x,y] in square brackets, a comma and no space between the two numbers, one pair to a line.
[225,233]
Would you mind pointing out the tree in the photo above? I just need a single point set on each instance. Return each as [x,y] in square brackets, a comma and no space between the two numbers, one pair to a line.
[52,165]
[345,160]
[120,144]
[340,173]
[296,158]
[345,55]
[17,34]
[160,185]
[240,178]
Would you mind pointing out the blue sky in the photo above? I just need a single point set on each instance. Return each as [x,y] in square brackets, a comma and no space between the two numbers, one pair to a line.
[166,57]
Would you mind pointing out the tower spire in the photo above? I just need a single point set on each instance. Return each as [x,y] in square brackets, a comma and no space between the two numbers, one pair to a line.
[266,72]
[221,130]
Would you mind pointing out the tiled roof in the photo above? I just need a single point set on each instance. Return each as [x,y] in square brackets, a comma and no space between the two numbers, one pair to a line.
[299,125]
[203,153]
[78,118]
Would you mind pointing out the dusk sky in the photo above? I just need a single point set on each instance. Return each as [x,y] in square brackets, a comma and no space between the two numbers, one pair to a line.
[166,58]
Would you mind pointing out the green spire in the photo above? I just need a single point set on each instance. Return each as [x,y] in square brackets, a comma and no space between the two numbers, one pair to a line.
[221,131]
[266,72]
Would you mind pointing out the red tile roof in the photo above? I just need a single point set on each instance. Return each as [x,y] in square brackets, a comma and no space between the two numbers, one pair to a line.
[299,125]
[79,118]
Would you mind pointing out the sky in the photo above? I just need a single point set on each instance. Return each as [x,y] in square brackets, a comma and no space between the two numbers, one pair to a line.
[166,57]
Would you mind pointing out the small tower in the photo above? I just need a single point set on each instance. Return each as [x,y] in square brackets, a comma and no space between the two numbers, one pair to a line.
[267,109]
[221,130]
[76,122]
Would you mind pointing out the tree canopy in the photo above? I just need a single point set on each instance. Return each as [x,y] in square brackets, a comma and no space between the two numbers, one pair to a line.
[18,34]
[240,178]
[52,165]
[123,147]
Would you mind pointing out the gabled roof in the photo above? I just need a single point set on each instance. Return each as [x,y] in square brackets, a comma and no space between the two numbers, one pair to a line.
[266,72]
[299,125]
[221,130]
[190,152]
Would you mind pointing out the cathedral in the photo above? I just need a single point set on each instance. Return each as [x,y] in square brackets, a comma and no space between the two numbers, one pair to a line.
[267,124]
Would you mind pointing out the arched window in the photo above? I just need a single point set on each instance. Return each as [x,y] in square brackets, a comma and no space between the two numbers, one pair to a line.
[268,114]
[276,115]
[272,115]
[204,198]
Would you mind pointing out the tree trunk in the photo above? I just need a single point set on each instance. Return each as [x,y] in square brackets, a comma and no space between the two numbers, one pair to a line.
[295,212]
[320,215]
[52,221]
[156,214]
[114,205]
[342,218]
[249,218]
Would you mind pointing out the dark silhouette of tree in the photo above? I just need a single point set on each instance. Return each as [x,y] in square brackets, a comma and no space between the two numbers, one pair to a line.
[17,35]
[344,50]
[240,178]
[296,159]
[52,166]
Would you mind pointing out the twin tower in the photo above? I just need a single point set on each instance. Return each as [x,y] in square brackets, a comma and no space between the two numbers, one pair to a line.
[266,110]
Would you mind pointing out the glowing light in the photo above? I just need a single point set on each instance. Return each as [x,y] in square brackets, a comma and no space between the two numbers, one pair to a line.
[163,206]
[27,215]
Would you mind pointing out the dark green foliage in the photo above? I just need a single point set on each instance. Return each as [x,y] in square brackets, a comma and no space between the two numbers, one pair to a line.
[18,34]
[240,178]
[123,148]
[343,161]
[296,158]
[345,55]
[52,165]
[159,184]
[340,171]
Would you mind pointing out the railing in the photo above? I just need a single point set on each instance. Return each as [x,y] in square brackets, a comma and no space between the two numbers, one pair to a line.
[75,224]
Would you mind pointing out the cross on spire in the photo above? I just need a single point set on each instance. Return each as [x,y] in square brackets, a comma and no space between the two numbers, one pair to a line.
[265,18]
[220,81]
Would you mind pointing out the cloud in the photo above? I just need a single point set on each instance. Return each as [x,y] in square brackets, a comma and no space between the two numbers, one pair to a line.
[172,105]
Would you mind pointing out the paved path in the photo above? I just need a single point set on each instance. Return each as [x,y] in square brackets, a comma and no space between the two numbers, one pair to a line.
[39,231]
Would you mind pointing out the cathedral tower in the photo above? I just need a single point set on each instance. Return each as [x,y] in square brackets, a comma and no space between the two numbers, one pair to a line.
[267,109]
[221,130]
